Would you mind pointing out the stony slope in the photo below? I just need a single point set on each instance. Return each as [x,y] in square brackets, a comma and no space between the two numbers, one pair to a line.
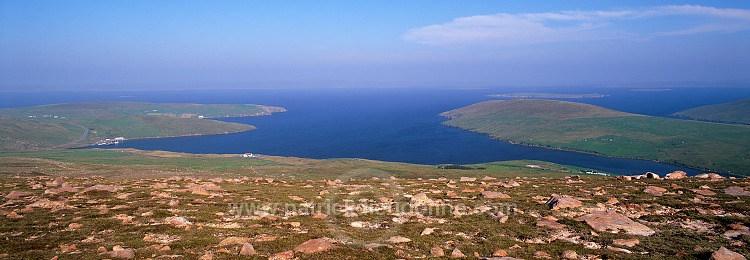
[63,209]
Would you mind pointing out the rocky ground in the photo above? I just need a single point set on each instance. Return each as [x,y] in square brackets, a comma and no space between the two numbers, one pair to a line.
[375,217]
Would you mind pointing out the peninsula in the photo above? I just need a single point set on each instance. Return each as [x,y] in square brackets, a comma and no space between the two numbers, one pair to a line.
[736,112]
[593,129]
[81,124]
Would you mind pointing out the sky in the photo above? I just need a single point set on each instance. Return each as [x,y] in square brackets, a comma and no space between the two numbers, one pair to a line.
[130,45]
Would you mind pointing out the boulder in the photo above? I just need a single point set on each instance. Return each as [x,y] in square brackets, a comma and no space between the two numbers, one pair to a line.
[704,192]
[315,246]
[569,254]
[626,242]
[122,253]
[421,199]
[558,202]
[495,195]
[179,222]
[676,175]
[247,249]
[457,253]
[656,191]
[398,239]
[437,252]
[612,221]
[17,194]
[282,255]
[234,241]
[468,179]
[736,191]
[725,254]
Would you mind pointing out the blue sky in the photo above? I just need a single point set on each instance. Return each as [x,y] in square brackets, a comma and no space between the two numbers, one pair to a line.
[232,44]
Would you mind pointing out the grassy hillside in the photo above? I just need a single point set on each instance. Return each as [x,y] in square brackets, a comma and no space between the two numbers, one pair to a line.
[141,164]
[79,124]
[732,112]
[589,128]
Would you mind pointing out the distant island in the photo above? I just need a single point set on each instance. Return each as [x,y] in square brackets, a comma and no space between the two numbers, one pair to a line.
[86,123]
[737,112]
[588,128]
[548,95]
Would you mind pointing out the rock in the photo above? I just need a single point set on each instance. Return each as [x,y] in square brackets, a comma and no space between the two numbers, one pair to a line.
[624,178]
[736,191]
[467,179]
[101,249]
[550,224]
[179,222]
[157,186]
[173,203]
[651,175]
[398,239]
[626,242]
[207,256]
[282,255]
[74,226]
[426,232]
[704,192]
[107,188]
[314,246]
[421,199]
[119,252]
[714,176]
[500,252]
[457,253]
[437,252]
[542,254]
[319,215]
[612,201]
[613,221]
[557,202]
[725,254]
[247,249]
[401,254]
[569,254]
[702,176]
[619,250]
[500,217]
[656,191]
[234,241]
[13,215]
[13,195]
[495,195]
[65,188]
[676,175]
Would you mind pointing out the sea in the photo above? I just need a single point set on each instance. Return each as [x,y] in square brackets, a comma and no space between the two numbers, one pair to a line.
[389,124]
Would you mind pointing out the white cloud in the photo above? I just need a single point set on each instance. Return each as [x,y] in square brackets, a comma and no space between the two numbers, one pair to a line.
[530,28]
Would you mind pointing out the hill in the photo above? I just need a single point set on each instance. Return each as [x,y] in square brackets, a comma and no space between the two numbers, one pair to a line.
[737,112]
[80,124]
[588,128]
[130,204]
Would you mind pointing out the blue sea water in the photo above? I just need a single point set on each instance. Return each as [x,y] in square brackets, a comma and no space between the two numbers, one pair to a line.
[399,124]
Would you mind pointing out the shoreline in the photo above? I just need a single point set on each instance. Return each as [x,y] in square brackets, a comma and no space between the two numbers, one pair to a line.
[597,154]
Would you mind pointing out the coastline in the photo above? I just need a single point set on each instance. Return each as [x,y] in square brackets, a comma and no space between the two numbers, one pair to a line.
[595,153]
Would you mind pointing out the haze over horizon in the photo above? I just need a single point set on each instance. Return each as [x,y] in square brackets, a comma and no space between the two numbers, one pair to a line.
[136,45]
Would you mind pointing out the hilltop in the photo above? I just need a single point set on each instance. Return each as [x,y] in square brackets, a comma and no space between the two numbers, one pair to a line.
[737,112]
[130,204]
[588,128]
[80,124]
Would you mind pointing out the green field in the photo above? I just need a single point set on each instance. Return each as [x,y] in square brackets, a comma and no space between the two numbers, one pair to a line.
[80,124]
[737,112]
[587,128]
